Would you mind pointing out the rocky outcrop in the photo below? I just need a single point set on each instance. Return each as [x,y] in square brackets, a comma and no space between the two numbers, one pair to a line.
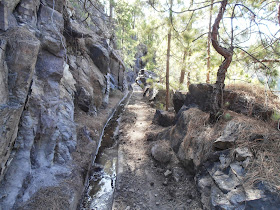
[164,118]
[178,100]
[226,159]
[139,63]
[55,77]
[201,94]
[19,55]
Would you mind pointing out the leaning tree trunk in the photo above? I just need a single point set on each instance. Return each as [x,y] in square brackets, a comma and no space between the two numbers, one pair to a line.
[227,54]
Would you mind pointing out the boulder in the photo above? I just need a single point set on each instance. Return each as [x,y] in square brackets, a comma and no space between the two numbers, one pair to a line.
[229,136]
[201,95]
[163,118]
[182,109]
[178,100]
[162,152]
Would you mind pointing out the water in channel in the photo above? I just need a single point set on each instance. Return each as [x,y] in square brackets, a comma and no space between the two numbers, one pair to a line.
[99,193]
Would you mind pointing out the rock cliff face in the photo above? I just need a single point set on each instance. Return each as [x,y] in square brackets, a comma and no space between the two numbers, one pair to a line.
[56,74]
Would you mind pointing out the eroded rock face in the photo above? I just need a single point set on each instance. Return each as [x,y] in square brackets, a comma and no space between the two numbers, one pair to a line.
[47,77]
[17,69]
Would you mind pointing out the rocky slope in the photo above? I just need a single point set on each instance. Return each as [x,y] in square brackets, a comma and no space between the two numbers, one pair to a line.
[235,160]
[59,80]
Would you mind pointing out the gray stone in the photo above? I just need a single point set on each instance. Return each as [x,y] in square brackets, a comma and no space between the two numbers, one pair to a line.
[10,4]
[237,197]
[167,173]
[237,169]
[219,200]
[4,92]
[162,152]
[117,70]
[26,12]
[179,100]
[57,4]
[229,136]
[99,56]
[242,154]
[83,99]
[163,118]
[226,182]
[21,56]
[179,174]
[51,26]
[3,17]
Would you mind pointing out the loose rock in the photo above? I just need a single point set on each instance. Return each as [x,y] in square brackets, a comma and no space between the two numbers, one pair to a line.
[162,152]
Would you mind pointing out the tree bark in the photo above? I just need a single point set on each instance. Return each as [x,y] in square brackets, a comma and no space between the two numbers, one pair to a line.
[111,11]
[209,45]
[167,70]
[227,54]
[183,70]
[189,79]
[168,57]
[278,14]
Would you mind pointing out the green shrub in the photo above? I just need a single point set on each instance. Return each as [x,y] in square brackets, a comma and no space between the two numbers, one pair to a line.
[227,116]
[275,116]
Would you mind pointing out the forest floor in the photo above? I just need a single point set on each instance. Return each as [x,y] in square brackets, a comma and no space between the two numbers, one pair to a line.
[142,182]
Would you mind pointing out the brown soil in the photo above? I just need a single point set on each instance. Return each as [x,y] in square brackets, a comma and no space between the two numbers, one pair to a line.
[142,182]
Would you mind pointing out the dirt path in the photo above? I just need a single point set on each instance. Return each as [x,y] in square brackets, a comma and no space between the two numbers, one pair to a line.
[143,183]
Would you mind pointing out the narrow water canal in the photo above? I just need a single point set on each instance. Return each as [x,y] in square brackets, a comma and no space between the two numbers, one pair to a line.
[102,178]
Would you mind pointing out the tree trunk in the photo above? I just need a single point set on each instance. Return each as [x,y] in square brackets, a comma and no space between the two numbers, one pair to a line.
[111,11]
[167,70]
[189,79]
[183,70]
[168,57]
[227,54]
[278,16]
[209,45]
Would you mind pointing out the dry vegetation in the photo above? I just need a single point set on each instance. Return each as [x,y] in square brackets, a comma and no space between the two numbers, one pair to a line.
[256,93]
[52,198]
[264,143]
[262,138]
